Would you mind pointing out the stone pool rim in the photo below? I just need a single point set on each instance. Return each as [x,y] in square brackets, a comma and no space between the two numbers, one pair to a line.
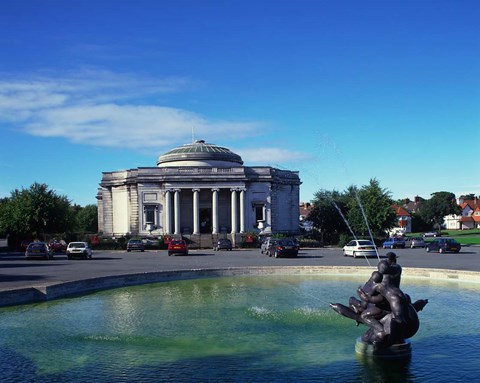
[58,290]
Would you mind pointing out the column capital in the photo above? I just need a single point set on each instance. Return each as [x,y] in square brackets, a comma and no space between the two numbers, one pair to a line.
[215,189]
[195,190]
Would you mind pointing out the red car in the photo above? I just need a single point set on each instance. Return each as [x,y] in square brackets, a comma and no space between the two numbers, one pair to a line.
[24,244]
[177,247]
[58,246]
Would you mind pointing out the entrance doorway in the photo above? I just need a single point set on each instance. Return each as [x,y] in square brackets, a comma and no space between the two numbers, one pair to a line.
[205,220]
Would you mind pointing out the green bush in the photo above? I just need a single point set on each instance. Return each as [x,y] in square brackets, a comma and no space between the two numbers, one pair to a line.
[343,240]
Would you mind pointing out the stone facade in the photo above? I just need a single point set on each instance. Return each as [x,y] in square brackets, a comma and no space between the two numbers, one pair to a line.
[225,197]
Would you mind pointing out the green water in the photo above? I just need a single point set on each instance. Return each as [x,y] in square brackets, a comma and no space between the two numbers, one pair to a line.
[237,329]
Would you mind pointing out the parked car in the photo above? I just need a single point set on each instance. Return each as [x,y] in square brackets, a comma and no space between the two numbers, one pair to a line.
[57,246]
[24,244]
[413,242]
[443,245]
[79,250]
[431,234]
[282,248]
[177,246]
[394,243]
[360,248]
[223,244]
[265,244]
[135,244]
[38,250]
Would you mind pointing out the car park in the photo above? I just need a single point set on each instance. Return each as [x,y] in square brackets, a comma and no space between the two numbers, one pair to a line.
[135,245]
[413,242]
[443,245]
[38,250]
[79,250]
[223,244]
[282,248]
[360,248]
[177,247]
[394,243]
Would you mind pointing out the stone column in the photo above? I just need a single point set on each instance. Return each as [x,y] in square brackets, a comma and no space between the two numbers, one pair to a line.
[168,212]
[196,211]
[176,211]
[215,211]
[242,210]
[234,210]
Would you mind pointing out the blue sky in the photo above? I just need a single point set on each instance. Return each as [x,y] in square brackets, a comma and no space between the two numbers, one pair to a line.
[342,91]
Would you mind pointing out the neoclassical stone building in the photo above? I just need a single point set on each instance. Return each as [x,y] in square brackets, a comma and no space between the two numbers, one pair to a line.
[196,190]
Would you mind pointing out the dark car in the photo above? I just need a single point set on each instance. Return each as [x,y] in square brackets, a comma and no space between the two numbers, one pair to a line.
[177,246]
[38,250]
[223,244]
[394,243]
[135,245]
[282,248]
[431,234]
[443,245]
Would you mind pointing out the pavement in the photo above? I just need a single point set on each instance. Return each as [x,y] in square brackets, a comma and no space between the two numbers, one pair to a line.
[25,281]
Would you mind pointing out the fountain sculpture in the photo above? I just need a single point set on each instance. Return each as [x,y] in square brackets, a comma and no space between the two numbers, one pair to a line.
[388,312]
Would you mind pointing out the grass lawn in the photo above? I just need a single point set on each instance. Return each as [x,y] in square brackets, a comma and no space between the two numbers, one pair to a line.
[465,237]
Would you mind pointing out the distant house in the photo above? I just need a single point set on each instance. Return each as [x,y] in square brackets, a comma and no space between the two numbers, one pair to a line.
[413,206]
[304,210]
[404,221]
[469,217]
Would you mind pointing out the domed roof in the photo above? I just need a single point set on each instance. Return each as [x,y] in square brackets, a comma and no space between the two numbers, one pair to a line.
[200,153]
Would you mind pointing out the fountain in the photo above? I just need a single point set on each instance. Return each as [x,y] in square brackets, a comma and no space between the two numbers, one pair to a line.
[276,328]
[388,312]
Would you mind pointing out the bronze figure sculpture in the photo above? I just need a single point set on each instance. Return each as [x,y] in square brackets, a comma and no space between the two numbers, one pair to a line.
[384,307]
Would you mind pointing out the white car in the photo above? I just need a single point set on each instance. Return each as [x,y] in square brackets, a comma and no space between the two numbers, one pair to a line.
[79,250]
[360,248]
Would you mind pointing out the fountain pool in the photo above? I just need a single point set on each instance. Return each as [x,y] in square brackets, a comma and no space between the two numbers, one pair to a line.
[233,329]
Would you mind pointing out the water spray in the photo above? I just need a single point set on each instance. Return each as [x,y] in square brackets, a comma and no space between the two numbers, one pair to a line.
[349,228]
[366,222]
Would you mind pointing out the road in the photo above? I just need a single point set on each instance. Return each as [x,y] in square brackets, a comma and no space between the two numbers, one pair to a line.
[16,272]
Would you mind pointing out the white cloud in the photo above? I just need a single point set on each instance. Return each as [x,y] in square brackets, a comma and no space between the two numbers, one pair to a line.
[106,109]
[102,108]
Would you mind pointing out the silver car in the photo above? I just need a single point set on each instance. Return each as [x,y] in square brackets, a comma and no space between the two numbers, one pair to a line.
[412,242]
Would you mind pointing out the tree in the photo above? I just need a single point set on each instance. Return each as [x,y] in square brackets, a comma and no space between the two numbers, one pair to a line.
[35,212]
[370,209]
[470,196]
[87,219]
[438,206]
[326,215]
[418,223]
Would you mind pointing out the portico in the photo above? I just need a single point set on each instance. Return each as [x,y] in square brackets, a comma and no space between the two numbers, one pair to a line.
[200,222]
